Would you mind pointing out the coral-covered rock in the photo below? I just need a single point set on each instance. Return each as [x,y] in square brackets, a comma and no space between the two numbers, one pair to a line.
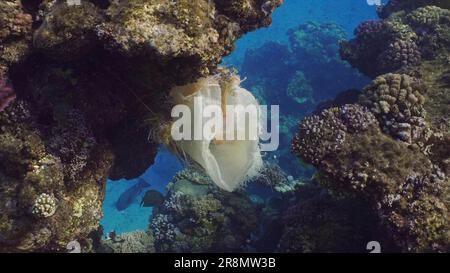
[91,82]
[396,6]
[67,31]
[198,32]
[202,218]
[398,102]
[400,54]
[320,41]
[400,40]
[369,28]
[321,222]
[43,206]
[325,134]
[381,47]
[403,186]
[430,16]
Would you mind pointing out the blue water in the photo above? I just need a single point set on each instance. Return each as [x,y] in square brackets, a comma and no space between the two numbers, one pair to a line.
[347,13]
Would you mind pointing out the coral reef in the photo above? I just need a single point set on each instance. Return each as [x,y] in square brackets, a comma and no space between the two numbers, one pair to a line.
[398,100]
[403,186]
[387,154]
[90,81]
[292,81]
[15,34]
[399,54]
[317,41]
[399,6]
[399,41]
[271,175]
[202,218]
[44,206]
[321,222]
[132,242]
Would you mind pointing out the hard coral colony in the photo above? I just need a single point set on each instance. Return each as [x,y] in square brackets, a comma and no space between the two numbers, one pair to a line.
[82,85]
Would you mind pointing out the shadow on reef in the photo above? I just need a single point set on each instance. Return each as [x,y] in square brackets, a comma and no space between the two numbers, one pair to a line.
[81,86]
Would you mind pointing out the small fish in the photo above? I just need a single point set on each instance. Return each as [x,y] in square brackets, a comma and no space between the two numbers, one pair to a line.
[129,195]
[152,198]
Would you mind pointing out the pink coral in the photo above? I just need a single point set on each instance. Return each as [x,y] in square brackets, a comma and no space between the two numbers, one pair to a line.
[7,95]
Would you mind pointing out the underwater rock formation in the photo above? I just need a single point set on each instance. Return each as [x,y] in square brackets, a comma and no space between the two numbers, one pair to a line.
[399,41]
[395,6]
[202,217]
[90,82]
[15,34]
[386,153]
